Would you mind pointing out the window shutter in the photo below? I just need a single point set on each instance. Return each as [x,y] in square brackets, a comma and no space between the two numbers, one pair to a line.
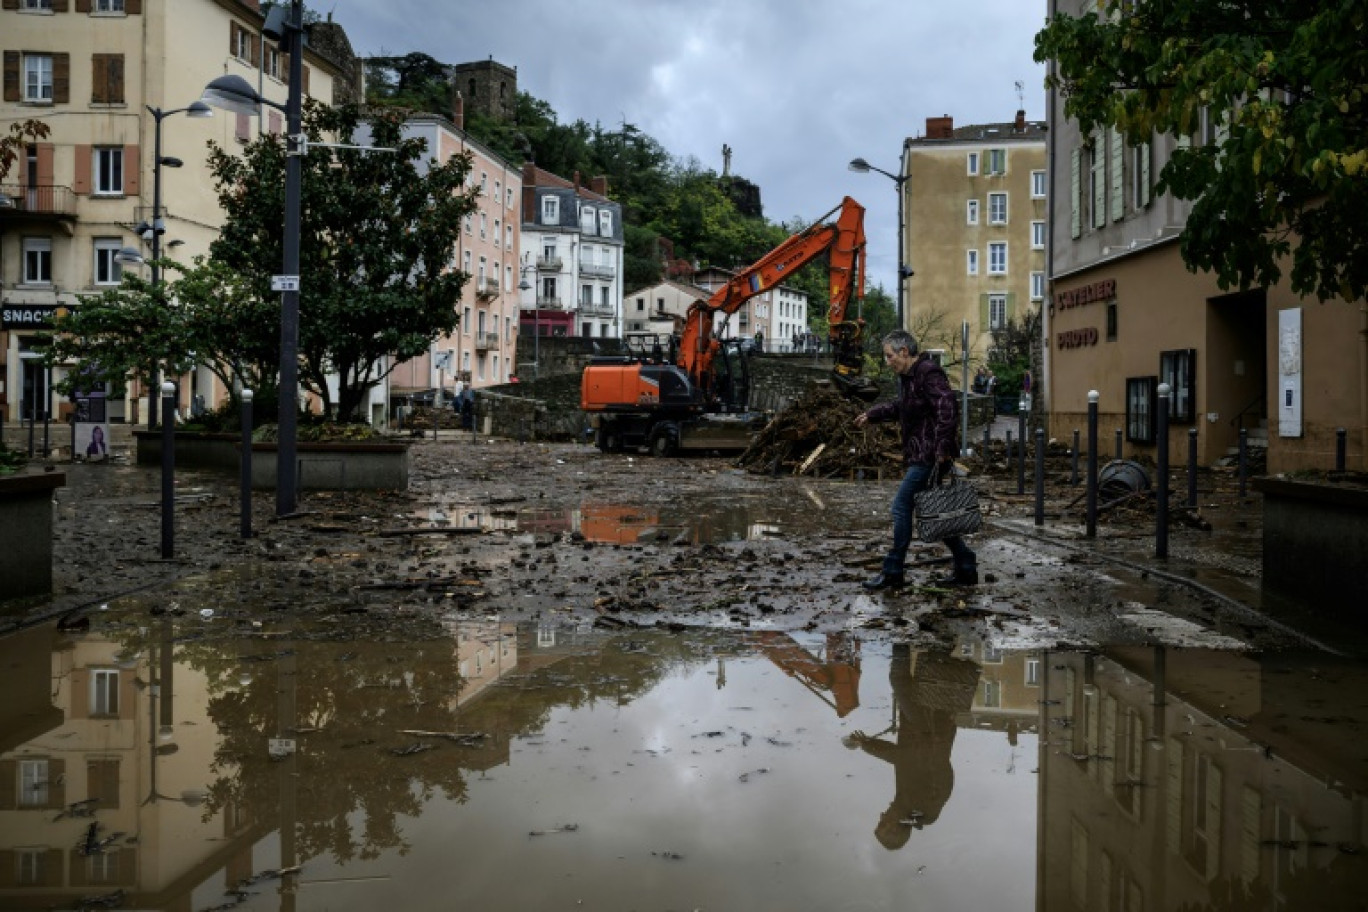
[304,79]
[132,171]
[9,785]
[12,59]
[985,313]
[10,4]
[56,783]
[81,179]
[82,6]
[61,78]
[242,130]
[1010,310]
[1099,180]
[1075,193]
[133,7]
[1145,185]
[1118,186]
[232,38]
[99,78]
[45,155]
[59,6]
[254,44]
[116,78]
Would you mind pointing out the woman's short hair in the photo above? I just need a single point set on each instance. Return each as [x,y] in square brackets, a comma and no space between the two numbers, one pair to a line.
[901,338]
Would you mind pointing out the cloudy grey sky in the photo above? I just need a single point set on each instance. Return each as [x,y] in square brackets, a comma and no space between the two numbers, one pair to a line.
[797,88]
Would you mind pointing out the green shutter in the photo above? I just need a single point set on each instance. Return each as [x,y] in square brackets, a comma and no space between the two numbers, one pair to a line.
[1009,310]
[1099,180]
[1075,193]
[1145,185]
[985,314]
[1118,152]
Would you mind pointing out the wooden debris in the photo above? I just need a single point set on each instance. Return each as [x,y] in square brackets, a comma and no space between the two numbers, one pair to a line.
[815,435]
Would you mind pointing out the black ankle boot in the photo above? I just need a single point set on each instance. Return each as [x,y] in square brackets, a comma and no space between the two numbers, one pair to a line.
[884,581]
[963,576]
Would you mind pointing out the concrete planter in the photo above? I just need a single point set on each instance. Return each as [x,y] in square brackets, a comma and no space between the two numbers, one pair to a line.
[26,535]
[1315,535]
[322,466]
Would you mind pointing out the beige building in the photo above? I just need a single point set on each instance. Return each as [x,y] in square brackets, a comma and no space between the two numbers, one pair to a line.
[1125,315]
[777,313]
[91,70]
[482,350]
[975,207]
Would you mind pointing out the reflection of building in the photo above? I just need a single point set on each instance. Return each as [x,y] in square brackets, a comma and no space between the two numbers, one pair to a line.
[1008,693]
[1225,797]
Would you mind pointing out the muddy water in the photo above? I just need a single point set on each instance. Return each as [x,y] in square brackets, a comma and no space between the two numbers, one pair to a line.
[188,762]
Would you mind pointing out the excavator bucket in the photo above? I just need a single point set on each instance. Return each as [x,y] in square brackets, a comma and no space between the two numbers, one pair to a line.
[854,386]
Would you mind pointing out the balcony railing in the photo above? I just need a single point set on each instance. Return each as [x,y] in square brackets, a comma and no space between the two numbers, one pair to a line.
[593,270]
[549,263]
[549,303]
[486,341]
[590,309]
[43,200]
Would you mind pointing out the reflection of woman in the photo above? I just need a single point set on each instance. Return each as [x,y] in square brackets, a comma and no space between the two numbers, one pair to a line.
[96,447]
[928,693]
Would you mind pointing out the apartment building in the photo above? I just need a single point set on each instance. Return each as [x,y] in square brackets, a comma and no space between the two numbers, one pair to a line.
[778,313]
[95,71]
[1126,315]
[659,308]
[482,350]
[975,210]
[571,256]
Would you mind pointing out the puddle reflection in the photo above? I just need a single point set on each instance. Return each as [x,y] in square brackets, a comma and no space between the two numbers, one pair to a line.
[619,524]
[531,767]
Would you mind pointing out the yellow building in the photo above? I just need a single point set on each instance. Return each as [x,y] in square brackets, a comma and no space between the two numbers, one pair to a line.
[975,209]
[95,71]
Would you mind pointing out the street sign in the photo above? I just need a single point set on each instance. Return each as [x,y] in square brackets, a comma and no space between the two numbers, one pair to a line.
[285,283]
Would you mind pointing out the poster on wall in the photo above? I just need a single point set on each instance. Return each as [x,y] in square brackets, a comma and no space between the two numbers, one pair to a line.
[91,428]
[1290,372]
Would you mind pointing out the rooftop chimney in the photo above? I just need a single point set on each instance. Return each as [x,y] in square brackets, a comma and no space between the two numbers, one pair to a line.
[1020,123]
[940,127]
[577,183]
[599,185]
[458,111]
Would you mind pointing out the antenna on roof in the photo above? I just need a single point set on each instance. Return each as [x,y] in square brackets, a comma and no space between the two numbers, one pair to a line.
[1021,94]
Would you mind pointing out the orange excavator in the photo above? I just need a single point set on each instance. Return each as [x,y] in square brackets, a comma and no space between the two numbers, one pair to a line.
[693,392]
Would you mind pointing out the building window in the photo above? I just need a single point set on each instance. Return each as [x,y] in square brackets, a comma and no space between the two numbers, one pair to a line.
[107,79]
[107,268]
[971,208]
[1038,235]
[104,692]
[605,223]
[33,783]
[997,258]
[997,161]
[1111,321]
[549,292]
[549,249]
[997,311]
[108,6]
[1140,409]
[242,43]
[484,263]
[972,164]
[997,208]
[483,227]
[971,262]
[1178,370]
[109,171]
[1037,286]
[1037,185]
[508,237]
[1032,673]
[1140,174]
[38,77]
[587,220]
[37,261]
[484,183]
[498,191]
[508,278]
[550,210]
[270,61]
[465,326]
[586,295]
[44,5]
[465,262]
[508,198]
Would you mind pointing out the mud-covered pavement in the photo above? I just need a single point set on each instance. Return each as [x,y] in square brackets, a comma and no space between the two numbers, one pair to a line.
[546,678]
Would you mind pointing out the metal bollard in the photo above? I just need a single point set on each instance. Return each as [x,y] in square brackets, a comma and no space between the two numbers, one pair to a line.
[986,436]
[245,469]
[1192,467]
[1021,451]
[1119,451]
[1008,434]
[1244,460]
[1092,464]
[1161,494]
[1040,476]
[168,470]
[1339,450]
[1073,471]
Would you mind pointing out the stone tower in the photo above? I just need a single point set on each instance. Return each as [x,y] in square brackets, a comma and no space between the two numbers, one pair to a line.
[488,87]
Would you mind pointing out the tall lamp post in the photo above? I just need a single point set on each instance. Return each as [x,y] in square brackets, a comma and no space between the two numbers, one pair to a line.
[525,285]
[904,273]
[233,93]
[157,227]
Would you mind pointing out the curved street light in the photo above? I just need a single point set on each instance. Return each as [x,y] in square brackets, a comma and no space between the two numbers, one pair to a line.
[904,273]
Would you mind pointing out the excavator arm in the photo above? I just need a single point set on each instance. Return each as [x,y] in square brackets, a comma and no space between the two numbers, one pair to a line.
[843,240]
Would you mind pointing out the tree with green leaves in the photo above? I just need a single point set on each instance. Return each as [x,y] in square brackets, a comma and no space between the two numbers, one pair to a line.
[21,133]
[378,231]
[1286,83]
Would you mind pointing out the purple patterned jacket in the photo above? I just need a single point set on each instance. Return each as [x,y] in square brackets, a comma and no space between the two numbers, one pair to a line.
[928,412]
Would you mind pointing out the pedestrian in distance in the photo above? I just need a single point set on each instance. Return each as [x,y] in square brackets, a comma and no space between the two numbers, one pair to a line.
[927,411]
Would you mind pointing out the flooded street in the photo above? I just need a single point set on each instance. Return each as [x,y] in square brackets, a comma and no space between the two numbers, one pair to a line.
[656,687]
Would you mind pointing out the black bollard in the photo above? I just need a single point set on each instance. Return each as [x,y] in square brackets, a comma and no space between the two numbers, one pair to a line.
[1162,455]
[987,428]
[1192,467]
[1092,464]
[1244,460]
[1021,451]
[168,471]
[1008,451]
[1040,476]
[1119,451]
[1339,450]
[1073,472]
[245,468]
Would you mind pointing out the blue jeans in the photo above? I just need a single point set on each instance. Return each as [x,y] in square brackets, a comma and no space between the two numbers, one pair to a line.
[893,563]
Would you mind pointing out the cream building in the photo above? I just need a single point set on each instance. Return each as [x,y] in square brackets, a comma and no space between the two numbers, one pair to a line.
[91,70]
[776,313]
[975,210]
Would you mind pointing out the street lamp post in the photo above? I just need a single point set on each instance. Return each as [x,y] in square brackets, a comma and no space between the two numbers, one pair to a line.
[157,227]
[904,273]
[233,93]
[525,285]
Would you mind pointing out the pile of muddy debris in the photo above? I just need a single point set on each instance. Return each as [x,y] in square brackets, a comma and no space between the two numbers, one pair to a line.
[815,435]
